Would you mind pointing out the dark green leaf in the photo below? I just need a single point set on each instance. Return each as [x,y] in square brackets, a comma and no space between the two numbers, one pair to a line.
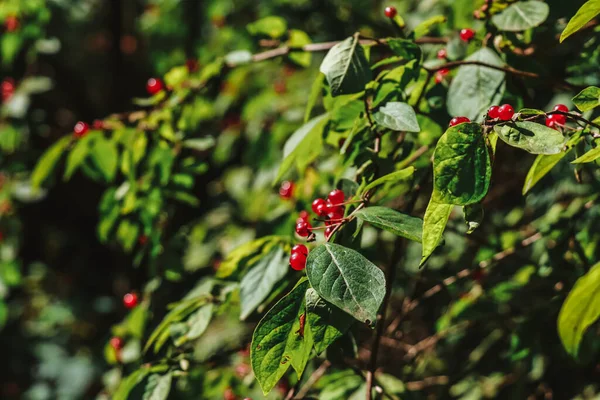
[158,387]
[346,67]
[346,279]
[127,384]
[580,310]
[406,49]
[393,221]
[105,156]
[279,339]
[397,116]
[521,16]
[585,14]
[426,26]
[461,166]
[541,166]
[271,26]
[532,137]
[327,322]
[590,156]
[434,223]
[588,98]
[48,161]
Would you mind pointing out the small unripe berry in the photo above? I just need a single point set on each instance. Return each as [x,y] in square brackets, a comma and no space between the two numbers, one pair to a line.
[300,248]
[154,86]
[116,343]
[286,190]
[390,11]
[561,107]
[442,54]
[458,120]
[506,112]
[81,129]
[298,261]
[336,197]
[467,34]
[494,112]
[130,300]
[318,207]
[303,228]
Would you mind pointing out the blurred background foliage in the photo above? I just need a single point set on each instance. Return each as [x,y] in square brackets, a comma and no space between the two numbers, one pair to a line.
[68,253]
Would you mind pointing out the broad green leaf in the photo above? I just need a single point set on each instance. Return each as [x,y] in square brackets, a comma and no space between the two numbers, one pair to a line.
[269,26]
[232,262]
[475,88]
[327,322]
[127,384]
[473,216]
[48,161]
[78,153]
[393,221]
[393,177]
[158,387]
[281,339]
[260,280]
[580,310]
[347,280]
[406,49]
[106,157]
[315,91]
[541,166]
[521,16]
[532,137]
[585,14]
[587,99]
[397,116]
[303,146]
[462,167]
[434,223]
[426,26]
[197,323]
[298,39]
[346,67]
[589,156]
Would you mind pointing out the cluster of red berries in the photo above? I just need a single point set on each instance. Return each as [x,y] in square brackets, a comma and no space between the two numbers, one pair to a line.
[298,257]
[332,208]
[154,85]
[7,88]
[504,112]
[11,23]
[286,190]
[554,120]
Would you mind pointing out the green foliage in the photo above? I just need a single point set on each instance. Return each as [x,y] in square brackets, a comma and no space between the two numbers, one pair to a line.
[521,16]
[346,67]
[532,137]
[587,99]
[434,223]
[327,322]
[398,117]
[393,221]
[585,14]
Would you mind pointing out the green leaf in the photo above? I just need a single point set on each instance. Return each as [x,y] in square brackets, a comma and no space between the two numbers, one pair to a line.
[232,262]
[346,67]
[127,384]
[585,14]
[48,161]
[303,146]
[426,26]
[521,16]
[315,91]
[279,339]
[532,137]
[347,280]
[158,387]
[473,216]
[589,156]
[271,26]
[397,116]
[78,153]
[197,323]
[393,177]
[260,280]
[393,221]
[106,157]
[434,223]
[327,322]
[298,39]
[541,166]
[587,99]
[580,310]
[475,88]
[462,167]
[406,49]
[528,112]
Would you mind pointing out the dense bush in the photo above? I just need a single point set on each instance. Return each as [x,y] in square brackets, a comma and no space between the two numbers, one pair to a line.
[285,199]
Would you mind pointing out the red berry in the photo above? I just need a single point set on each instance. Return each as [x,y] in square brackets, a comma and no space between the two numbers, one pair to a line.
[561,107]
[300,248]
[439,75]
[318,207]
[555,120]
[7,89]
[154,86]
[298,261]
[442,54]
[98,124]
[11,23]
[130,300]
[506,112]
[328,231]
[390,12]
[494,112]
[116,343]
[336,213]
[286,190]
[458,120]
[467,34]
[336,197]
[229,394]
[303,228]
[81,129]
[192,65]
[303,215]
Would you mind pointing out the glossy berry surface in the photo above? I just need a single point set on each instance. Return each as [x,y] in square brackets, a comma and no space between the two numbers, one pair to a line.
[318,207]
[154,86]
[298,261]
[555,120]
[286,190]
[336,197]
[336,213]
[494,112]
[442,54]
[81,129]
[506,112]
[303,215]
[303,228]
[467,34]
[390,12]
[458,120]
[300,248]
[130,300]
[116,343]
[561,107]
[328,231]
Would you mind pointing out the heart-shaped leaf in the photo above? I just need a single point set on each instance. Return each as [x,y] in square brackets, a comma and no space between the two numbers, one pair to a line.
[346,67]
[532,137]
